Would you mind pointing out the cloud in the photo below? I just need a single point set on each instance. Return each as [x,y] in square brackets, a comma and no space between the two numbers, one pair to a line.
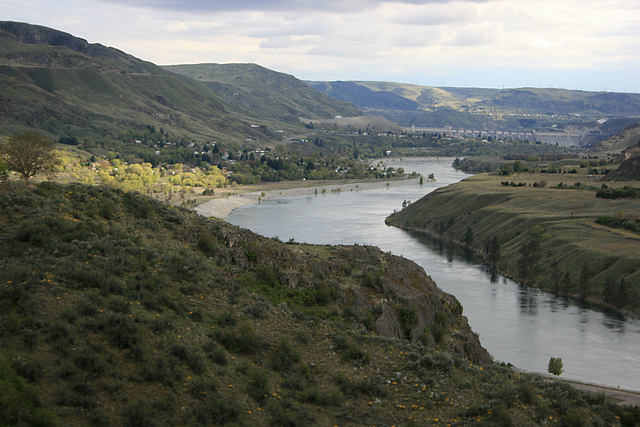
[474,34]
[337,6]
[366,39]
[434,14]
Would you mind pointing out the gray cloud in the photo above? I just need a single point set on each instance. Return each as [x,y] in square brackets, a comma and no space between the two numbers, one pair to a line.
[342,6]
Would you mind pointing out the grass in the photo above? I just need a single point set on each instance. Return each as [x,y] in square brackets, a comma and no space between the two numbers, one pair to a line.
[561,221]
[127,321]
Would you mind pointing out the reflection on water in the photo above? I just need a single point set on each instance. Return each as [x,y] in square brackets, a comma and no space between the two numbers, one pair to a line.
[517,324]
[528,301]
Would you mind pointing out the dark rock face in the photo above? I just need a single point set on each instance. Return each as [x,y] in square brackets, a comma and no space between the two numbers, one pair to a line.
[629,169]
[411,306]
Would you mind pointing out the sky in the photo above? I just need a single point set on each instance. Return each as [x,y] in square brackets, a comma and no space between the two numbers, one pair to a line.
[571,44]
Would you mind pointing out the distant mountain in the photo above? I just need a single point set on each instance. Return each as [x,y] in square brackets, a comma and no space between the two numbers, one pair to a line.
[61,85]
[476,108]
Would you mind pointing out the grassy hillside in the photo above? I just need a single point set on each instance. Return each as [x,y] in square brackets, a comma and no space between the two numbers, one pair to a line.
[546,228]
[261,92]
[628,137]
[62,86]
[117,310]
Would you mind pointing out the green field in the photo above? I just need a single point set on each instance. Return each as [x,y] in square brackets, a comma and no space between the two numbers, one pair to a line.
[548,235]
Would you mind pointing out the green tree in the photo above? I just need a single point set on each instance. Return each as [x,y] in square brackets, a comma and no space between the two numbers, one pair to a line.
[493,253]
[468,236]
[555,366]
[584,281]
[518,166]
[506,169]
[529,258]
[29,154]
[3,171]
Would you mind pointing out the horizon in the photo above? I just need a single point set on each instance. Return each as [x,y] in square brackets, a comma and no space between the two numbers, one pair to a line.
[488,44]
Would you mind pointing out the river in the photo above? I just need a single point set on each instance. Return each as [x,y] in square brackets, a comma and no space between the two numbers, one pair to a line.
[516,324]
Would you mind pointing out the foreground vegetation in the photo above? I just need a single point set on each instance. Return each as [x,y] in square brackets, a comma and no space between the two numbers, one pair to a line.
[557,231]
[118,310]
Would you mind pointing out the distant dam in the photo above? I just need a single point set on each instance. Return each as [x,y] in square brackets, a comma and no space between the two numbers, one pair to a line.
[564,139]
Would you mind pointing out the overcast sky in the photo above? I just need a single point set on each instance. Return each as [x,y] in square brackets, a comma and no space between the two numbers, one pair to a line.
[572,44]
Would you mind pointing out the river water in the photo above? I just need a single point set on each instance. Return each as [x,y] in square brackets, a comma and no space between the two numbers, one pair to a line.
[516,324]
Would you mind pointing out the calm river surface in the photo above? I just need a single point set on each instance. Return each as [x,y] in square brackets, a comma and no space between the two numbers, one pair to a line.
[519,325]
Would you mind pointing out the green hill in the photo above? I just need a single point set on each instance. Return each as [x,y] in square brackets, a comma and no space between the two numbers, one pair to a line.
[260,92]
[118,310]
[552,231]
[61,85]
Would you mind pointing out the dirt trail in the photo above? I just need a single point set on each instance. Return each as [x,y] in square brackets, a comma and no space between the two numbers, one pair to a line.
[626,397]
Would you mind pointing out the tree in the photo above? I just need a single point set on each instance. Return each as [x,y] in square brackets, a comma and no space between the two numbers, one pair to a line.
[518,166]
[29,154]
[555,366]
[3,171]
[493,254]
[584,281]
[468,236]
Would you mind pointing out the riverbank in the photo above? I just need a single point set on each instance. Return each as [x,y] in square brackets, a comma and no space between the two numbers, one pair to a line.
[536,228]
[221,206]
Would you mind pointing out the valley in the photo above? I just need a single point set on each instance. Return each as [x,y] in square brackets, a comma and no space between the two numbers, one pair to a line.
[120,304]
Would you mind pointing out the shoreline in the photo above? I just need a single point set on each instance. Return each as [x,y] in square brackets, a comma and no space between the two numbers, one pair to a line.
[624,396]
[222,206]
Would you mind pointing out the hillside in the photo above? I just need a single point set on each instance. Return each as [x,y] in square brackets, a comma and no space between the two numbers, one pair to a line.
[119,310]
[547,230]
[62,86]
[627,137]
[541,109]
[261,92]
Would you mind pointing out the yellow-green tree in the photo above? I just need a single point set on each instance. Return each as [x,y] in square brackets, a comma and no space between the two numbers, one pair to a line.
[29,154]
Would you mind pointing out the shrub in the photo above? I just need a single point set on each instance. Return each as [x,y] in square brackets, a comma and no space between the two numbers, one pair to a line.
[157,371]
[215,353]
[139,414]
[248,340]
[123,331]
[18,402]
[436,360]
[285,414]
[501,416]
[79,396]
[197,363]
[527,393]
[257,385]
[245,340]
[213,410]
[315,396]
[30,369]
[283,357]
[202,387]
[576,417]
[350,350]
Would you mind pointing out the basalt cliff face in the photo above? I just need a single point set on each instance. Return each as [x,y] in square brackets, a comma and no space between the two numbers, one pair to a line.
[385,294]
